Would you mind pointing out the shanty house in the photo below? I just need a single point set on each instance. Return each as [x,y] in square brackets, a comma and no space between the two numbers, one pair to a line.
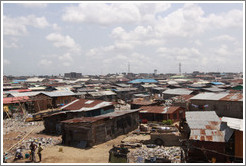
[169,93]
[139,102]
[224,104]
[13,105]
[101,95]
[89,131]
[206,139]
[125,93]
[160,113]
[38,101]
[236,141]
[60,97]
[75,109]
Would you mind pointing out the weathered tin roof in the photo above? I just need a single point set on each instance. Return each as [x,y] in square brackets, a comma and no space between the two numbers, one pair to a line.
[59,93]
[233,123]
[140,101]
[178,91]
[102,93]
[100,117]
[143,81]
[158,109]
[214,89]
[218,96]
[24,94]
[9,100]
[205,126]
[233,97]
[86,105]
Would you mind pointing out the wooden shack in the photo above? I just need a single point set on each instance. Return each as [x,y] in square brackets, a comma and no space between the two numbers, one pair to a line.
[75,109]
[160,113]
[89,131]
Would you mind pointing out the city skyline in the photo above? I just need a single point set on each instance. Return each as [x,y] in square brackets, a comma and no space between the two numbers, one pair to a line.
[100,38]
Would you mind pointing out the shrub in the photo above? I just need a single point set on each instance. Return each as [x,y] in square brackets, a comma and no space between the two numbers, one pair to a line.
[167,122]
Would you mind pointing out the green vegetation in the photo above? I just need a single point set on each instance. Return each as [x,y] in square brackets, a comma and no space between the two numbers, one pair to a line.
[167,122]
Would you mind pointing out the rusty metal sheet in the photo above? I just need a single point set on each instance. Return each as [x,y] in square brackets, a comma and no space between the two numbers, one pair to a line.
[205,126]
[233,97]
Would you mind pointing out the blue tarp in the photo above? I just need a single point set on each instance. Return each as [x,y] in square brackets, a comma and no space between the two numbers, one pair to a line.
[217,83]
[17,81]
[143,81]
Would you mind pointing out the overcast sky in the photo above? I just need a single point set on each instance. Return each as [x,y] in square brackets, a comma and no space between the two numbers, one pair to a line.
[101,38]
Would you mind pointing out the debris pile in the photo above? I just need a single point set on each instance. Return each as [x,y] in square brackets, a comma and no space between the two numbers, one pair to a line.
[13,125]
[170,153]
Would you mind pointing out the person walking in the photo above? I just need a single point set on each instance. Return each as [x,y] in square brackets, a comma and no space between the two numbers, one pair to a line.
[40,148]
[33,148]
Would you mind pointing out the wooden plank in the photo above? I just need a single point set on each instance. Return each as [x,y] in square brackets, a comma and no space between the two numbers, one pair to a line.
[21,140]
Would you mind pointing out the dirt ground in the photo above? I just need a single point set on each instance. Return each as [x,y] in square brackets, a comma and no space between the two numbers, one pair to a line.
[52,153]
[96,154]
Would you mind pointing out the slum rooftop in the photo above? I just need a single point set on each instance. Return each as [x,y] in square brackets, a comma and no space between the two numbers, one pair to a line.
[100,117]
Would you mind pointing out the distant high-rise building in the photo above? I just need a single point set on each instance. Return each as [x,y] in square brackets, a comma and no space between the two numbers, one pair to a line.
[73,75]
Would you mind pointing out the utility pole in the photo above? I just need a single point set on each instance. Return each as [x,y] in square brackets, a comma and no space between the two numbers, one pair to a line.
[128,67]
[179,68]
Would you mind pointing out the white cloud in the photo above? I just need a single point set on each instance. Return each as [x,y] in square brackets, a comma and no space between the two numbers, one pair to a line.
[45,62]
[232,18]
[66,57]
[34,5]
[56,27]
[61,41]
[107,14]
[10,43]
[224,37]
[18,26]
[6,62]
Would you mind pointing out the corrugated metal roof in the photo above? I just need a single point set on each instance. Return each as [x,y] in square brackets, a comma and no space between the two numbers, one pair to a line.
[24,94]
[86,105]
[102,93]
[141,101]
[205,126]
[178,91]
[34,79]
[59,93]
[218,96]
[233,97]
[9,100]
[159,109]
[233,123]
[214,89]
[143,81]
[209,96]
[100,117]
[125,89]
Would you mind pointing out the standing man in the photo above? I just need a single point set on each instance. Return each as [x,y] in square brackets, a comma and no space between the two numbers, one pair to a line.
[40,148]
[33,148]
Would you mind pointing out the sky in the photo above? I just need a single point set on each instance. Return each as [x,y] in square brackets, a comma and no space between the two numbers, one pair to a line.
[101,38]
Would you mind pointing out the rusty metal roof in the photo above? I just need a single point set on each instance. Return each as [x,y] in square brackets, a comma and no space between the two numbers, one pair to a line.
[205,126]
[159,109]
[86,105]
[141,101]
[233,97]
[100,117]
[10,100]
[219,96]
